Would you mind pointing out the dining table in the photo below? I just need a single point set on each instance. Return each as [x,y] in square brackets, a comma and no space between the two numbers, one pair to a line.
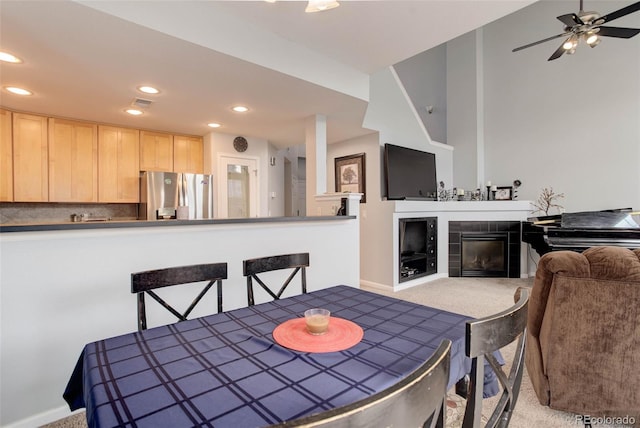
[256,366]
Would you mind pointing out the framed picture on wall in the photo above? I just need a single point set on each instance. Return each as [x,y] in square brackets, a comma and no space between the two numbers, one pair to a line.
[504,193]
[350,174]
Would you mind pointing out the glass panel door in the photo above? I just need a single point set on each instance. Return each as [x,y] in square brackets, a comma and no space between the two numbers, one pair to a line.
[238,191]
[238,188]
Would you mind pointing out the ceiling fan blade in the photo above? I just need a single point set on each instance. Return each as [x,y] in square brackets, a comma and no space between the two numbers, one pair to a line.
[620,12]
[539,41]
[558,53]
[570,19]
[623,33]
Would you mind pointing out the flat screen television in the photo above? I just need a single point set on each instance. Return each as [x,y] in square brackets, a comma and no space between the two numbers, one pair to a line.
[410,173]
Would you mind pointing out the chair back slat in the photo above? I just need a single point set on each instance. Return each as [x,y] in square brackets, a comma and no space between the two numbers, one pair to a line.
[152,279]
[419,400]
[271,263]
[496,331]
[298,262]
[484,337]
[147,281]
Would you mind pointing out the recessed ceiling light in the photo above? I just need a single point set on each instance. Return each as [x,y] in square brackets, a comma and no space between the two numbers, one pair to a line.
[240,109]
[214,125]
[134,111]
[18,91]
[148,89]
[7,57]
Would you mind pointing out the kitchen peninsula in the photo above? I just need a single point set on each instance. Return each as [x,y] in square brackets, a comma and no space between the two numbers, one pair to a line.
[67,284]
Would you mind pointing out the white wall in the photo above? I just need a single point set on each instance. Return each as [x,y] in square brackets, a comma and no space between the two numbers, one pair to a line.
[572,124]
[463,127]
[63,289]
[424,76]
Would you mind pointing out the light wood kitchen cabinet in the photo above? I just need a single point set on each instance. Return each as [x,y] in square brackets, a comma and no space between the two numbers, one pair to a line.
[30,158]
[6,157]
[73,161]
[188,154]
[156,151]
[118,164]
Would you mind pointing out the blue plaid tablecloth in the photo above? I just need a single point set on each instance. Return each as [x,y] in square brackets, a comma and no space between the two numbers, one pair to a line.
[225,370]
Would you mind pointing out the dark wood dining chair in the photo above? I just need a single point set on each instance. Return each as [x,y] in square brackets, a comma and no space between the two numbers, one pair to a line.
[419,400]
[146,282]
[298,262]
[484,336]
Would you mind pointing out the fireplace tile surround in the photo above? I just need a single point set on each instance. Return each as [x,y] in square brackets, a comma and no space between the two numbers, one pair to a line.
[510,230]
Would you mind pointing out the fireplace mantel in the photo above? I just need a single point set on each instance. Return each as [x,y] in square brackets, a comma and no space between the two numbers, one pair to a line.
[491,208]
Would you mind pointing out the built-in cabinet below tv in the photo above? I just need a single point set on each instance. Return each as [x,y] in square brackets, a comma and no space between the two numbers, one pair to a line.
[418,247]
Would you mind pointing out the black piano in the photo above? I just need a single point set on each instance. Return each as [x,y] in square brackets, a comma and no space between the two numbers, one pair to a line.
[581,230]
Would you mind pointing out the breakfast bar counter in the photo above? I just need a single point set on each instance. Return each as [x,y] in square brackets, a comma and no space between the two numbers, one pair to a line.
[111,224]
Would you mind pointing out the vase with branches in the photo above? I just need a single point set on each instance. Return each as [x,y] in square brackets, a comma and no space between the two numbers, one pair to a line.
[547,200]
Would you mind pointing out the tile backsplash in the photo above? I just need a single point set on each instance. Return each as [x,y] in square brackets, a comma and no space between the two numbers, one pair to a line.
[29,213]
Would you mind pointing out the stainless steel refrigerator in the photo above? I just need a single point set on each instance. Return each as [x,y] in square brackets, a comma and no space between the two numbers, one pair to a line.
[172,195]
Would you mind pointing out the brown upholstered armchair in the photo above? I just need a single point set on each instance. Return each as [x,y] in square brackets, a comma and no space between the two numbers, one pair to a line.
[583,344]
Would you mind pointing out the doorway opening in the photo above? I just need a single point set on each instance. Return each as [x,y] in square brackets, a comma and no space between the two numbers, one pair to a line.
[238,187]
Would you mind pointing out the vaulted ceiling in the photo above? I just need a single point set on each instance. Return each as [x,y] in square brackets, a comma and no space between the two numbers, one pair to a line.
[84,59]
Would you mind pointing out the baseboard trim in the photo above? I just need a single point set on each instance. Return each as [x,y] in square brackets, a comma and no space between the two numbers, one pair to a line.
[403,285]
[420,281]
[43,418]
[375,285]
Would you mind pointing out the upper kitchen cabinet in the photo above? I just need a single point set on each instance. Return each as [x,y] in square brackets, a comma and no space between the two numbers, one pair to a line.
[156,151]
[118,164]
[73,161]
[30,159]
[6,157]
[188,154]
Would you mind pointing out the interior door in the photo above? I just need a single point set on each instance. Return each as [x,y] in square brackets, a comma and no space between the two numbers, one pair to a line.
[238,187]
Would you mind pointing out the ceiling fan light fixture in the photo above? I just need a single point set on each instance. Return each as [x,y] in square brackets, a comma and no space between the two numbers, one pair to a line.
[592,39]
[570,44]
[321,5]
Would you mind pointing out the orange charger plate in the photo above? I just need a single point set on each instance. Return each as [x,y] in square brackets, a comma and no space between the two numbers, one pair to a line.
[342,334]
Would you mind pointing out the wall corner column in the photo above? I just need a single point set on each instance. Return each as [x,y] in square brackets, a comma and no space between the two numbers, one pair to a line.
[316,152]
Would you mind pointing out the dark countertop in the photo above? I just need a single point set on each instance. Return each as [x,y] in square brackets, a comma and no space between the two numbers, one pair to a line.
[114,224]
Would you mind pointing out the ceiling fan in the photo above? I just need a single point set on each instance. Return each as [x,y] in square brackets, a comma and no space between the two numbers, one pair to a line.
[588,27]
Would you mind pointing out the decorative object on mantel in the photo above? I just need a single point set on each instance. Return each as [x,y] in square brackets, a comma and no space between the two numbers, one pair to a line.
[351,174]
[546,201]
[516,183]
[443,195]
[477,195]
[491,191]
[503,193]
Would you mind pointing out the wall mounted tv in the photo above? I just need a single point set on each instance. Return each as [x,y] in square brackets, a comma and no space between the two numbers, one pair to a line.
[409,173]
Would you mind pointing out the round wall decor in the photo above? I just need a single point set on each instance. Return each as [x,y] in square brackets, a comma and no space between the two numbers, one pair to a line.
[240,144]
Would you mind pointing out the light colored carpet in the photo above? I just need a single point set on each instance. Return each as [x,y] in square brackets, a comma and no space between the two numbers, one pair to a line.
[476,297]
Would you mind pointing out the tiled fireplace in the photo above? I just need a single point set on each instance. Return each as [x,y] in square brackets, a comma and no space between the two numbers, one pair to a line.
[484,249]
